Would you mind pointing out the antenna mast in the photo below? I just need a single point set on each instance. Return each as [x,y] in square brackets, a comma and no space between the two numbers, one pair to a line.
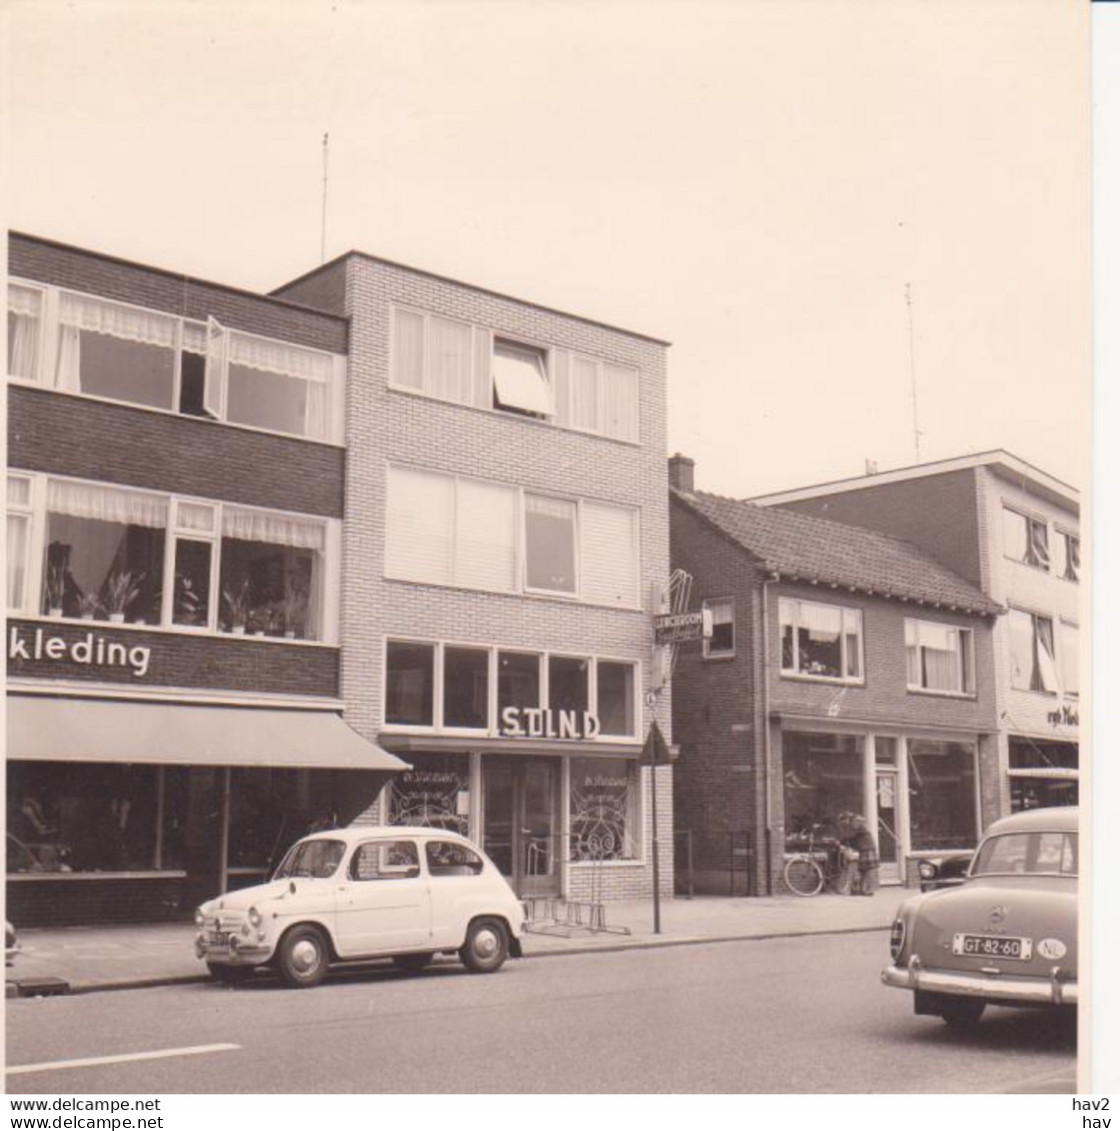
[913,378]
[323,225]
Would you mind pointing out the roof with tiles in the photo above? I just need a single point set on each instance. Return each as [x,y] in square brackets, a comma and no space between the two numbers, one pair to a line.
[801,547]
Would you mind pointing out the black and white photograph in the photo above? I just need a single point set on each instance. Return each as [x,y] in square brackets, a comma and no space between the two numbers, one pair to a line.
[545,557]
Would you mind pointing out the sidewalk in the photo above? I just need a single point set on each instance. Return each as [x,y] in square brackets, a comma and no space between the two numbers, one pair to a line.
[86,959]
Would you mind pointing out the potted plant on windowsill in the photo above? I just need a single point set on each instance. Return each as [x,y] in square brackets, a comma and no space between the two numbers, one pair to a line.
[56,590]
[89,604]
[237,607]
[293,610]
[120,591]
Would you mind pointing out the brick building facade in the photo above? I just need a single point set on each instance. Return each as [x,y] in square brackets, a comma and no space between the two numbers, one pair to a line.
[846,671]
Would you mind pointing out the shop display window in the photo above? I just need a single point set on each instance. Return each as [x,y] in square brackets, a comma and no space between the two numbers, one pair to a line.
[466,687]
[942,795]
[604,811]
[823,776]
[435,793]
[616,698]
[410,684]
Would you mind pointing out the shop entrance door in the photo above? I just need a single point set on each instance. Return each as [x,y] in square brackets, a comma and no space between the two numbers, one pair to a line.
[886,803]
[520,821]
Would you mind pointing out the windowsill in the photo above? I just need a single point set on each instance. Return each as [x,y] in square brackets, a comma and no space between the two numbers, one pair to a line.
[506,415]
[718,656]
[934,693]
[521,594]
[166,630]
[833,681]
[24,383]
[1037,691]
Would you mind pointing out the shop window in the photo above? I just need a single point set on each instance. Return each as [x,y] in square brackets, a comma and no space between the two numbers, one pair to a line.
[409,684]
[722,640]
[104,558]
[938,657]
[604,809]
[1042,773]
[25,320]
[1042,792]
[822,641]
[568,684]
[466,687]
[269,576]
[1025,539]
[521,379]
[550,544]
[942,795]
[1032,655]
[434,794]
[822,778]
[519,680]
[616,698]
[385,860]
[1067,556]
[266,814]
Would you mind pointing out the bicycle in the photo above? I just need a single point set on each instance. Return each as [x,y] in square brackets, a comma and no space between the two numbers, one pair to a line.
[822,864]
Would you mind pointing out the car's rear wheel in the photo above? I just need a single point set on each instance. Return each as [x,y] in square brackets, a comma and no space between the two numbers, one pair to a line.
[302,957]
[486,946]
[412,962]
[962,1015]
[229,975]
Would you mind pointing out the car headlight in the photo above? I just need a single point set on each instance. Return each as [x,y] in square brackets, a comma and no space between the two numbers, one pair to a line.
[255,917]
[199,918]
[926,870]
[898,937]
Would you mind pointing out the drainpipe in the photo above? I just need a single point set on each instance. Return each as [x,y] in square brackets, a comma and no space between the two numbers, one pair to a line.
[766,730]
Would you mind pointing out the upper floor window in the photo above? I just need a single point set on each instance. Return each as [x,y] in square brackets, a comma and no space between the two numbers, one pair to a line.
[824,641]
[1067,555]
[1033,658]
[79,343]
[1070,647]
[471,365]
[722,640]
[1025,539]
[938,657]
[115,554]
[446,530]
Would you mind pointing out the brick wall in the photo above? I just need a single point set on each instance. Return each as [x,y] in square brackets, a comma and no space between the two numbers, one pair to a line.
[93,273]
[89,439]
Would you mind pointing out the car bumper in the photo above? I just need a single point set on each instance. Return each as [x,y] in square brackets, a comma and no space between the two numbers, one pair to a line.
[995,988]
[244,955]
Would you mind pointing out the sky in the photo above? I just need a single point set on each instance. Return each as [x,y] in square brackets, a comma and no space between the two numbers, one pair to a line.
[757,182]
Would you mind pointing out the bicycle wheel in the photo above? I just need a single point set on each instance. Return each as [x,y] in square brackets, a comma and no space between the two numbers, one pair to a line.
[803,875]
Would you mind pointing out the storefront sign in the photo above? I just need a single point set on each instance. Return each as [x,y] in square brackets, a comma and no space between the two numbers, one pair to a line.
[543,722]
[1064,716]
[91,650]
[679,628]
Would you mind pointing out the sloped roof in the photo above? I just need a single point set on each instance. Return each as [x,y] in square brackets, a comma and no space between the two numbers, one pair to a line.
[805,548]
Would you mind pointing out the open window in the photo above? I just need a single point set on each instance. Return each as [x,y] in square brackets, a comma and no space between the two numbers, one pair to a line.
[521,379]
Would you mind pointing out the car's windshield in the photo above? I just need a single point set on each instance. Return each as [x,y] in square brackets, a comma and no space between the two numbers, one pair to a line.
[315,858]
[1041,853]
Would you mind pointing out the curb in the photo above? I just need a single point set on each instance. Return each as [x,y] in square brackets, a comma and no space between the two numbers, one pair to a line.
[154,980]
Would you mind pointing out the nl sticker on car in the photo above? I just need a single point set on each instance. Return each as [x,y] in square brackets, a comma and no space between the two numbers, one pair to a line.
[992,946]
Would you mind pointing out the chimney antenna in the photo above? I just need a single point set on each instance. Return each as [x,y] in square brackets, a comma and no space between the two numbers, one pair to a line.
[323,225]
[913,378]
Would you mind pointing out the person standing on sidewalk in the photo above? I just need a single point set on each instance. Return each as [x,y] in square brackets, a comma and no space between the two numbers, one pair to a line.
[866,878]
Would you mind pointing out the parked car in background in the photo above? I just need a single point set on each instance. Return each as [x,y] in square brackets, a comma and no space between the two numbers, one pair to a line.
[1006,935]
[945,870]
[387,892]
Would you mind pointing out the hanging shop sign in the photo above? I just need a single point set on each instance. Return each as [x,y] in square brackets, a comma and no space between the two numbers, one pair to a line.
[91,650]
[680,628]
[544,722]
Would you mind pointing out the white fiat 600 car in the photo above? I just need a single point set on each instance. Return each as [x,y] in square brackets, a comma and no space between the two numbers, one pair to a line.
[355,893]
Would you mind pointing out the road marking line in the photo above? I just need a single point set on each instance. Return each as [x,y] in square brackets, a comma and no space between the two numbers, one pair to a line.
[50,1066]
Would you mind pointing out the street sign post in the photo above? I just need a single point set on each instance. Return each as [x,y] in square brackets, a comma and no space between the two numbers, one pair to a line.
[655,752]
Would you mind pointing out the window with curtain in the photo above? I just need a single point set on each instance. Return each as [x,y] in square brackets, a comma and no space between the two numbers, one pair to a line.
[938,657]
[18,536]
[823,641]
[1025,539]
[104,558]
[1031,652]
[25,322]
[1067,556]
[608,546]
[722,640]
[1071,643]
[550,544]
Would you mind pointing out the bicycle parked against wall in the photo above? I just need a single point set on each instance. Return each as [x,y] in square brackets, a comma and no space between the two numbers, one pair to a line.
[823,862]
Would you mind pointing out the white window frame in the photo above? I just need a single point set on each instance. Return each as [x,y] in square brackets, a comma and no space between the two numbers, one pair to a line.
[966,652]
[541,359]
[48,353]
[1056,658]
[26,511]
[710,653]
[494,722]
[1066,537]
[576,592]
[329,563]
[845,611]
[1029,521]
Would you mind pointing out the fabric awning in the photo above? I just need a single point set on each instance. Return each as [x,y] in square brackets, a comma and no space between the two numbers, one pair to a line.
[57,729]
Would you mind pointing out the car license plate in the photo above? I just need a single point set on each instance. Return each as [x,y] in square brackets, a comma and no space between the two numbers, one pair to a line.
[993,946]
[218,938]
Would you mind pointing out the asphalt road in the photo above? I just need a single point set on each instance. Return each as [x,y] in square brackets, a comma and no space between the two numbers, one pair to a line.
[776,1016]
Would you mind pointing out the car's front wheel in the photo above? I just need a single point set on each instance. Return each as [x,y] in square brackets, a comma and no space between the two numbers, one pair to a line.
[302,957]
[486,946]
[962,1014]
